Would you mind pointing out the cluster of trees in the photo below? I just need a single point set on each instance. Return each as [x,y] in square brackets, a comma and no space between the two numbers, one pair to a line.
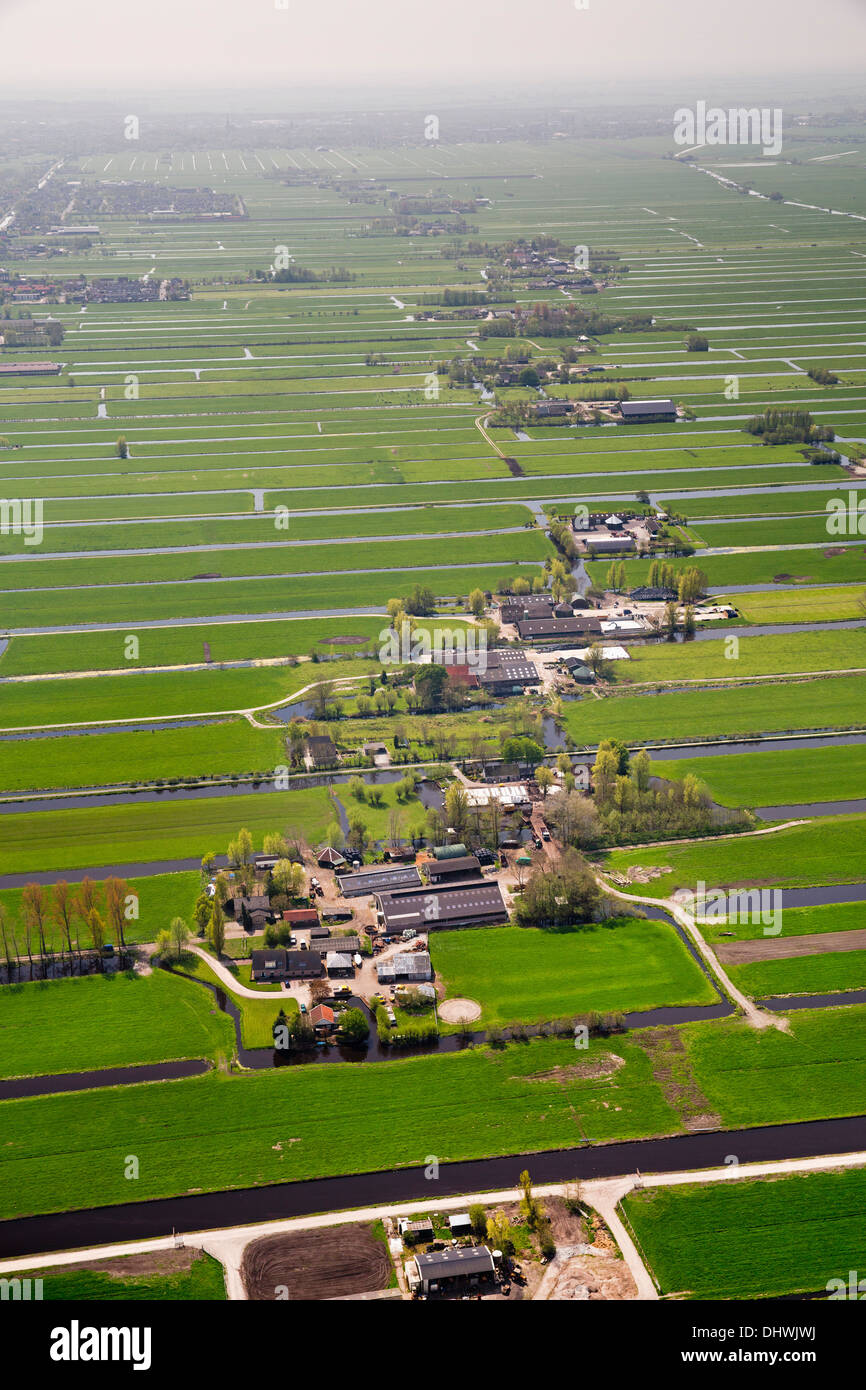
[561,321]
[520,748]
[688,584]
[823,376]
[172,941]
[662,575]
[304,275]
[789,426]
[616,578]
[522,586]
[456,297]
[420,600]
[563,538]
[496,1230]
[697,342]
[561,895]
[626,808]
[562,581]
[70,915]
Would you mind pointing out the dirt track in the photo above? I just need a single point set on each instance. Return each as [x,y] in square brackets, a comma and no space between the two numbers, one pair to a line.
[781,947]
[319,1264]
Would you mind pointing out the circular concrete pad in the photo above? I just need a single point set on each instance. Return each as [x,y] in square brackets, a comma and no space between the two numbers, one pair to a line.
[460,1011]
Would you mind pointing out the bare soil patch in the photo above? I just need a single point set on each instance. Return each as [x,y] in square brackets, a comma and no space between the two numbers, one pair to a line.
[667,1053]
[345,641]
[780,947]
[316,1264]
[460,1010]
[639,873]
[593,1070]
[142,1266]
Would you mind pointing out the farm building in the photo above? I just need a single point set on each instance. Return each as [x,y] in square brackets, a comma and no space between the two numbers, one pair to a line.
[471,1264]
[654,594]
[338,964]
[378,753]
[411,966]
[415,1231]
[320,751]
[532,606]
[578,670]
[509,796]
[455,905]
[501,772]
[460,1223]
[449,851]
[548,629]
[30,369]
[463,867]
[370,881]
[610,544]
[280,964]
[253,912]
[347,944]
[329,858]
[645,412]
[506,675]
[301,917]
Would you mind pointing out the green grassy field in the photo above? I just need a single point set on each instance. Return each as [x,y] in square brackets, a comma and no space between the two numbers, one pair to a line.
[141,1281]
[778,654]
[107,1021]
[834,972]
[257,1016]
[777,778]
[833,702]
[523,975]
[220,749]
[812,566]
[796,921]
[141,695]
[809,605]
[161,897]
[529,1096]
[829,850]
[181,829]
[752,1239]
[298,1122]
[751,1077]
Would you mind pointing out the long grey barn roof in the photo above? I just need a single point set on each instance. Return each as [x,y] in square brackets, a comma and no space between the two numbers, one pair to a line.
[437,905]
[378,881]
[456,1262]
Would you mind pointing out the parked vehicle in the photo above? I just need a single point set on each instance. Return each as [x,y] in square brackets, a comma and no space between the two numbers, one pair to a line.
[303,1008]
[545,834]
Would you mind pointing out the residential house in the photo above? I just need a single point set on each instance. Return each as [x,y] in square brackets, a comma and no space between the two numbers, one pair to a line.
[276,963]
[320,751]
[323,1019]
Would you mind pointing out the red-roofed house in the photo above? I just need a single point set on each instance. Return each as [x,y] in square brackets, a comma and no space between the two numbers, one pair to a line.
[322,1019]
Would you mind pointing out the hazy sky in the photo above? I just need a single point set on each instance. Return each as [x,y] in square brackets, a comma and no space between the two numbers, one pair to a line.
[106,45]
